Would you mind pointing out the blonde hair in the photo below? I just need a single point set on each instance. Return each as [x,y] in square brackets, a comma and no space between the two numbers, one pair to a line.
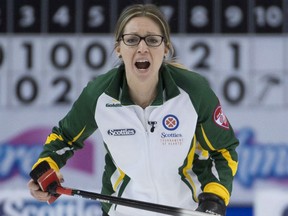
[153,12]
[144,10]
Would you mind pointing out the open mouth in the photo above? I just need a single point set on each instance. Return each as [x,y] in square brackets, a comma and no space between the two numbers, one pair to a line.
[142,65]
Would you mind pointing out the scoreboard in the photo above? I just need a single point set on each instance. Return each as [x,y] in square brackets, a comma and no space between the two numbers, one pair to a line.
[99,16]
[50,49]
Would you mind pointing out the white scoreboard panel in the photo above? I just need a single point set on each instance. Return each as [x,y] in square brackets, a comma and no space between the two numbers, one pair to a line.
[50,49]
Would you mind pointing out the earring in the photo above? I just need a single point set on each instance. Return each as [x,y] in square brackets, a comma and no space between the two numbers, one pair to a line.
[120,56]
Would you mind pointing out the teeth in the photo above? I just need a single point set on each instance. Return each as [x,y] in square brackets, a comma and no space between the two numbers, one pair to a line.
[142,61]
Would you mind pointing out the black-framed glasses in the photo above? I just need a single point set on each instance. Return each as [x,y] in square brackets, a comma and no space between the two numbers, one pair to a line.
[150,40]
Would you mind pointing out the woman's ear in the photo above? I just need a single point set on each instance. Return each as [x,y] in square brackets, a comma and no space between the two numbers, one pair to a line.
[118,53]
[166,51]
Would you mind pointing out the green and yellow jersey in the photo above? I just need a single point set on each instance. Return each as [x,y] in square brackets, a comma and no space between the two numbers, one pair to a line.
[177,147]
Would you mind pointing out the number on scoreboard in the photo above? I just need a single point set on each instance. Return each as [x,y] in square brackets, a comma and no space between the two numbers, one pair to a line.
[27,16]
[170,9]
[96,16]
[234,16]
[62,16]
[268,16]
[200,16]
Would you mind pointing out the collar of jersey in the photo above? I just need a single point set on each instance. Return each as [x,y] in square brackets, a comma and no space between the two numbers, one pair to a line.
[166,87]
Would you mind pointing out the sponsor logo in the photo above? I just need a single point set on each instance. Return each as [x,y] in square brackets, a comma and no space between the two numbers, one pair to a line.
[171,139]
[121,132]
[20,152]
[113,105]
[261,161]
[170,122]
[23,205]
[169,135]
[220,118]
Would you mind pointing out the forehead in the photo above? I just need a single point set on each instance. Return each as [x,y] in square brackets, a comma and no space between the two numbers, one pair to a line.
[142,25]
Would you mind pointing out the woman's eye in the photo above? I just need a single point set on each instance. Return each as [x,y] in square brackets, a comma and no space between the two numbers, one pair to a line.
[152,40]
[131,40]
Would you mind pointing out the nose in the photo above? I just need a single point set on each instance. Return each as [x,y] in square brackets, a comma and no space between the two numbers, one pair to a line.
[142,47]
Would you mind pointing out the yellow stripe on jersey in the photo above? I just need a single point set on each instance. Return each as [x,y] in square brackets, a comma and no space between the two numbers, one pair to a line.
[77,137]
[51,162]
[53,137]
[119,180]
[231,163]
[218,189]
[204,153]
[206,139]
[189,167]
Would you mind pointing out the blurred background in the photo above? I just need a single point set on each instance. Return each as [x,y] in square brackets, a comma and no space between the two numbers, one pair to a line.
[50,49]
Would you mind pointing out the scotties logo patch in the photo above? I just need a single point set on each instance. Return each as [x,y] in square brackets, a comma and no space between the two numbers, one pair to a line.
[220,118]
[170,122]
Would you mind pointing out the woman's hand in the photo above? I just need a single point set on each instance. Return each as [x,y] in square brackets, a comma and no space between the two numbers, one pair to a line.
[36,191]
